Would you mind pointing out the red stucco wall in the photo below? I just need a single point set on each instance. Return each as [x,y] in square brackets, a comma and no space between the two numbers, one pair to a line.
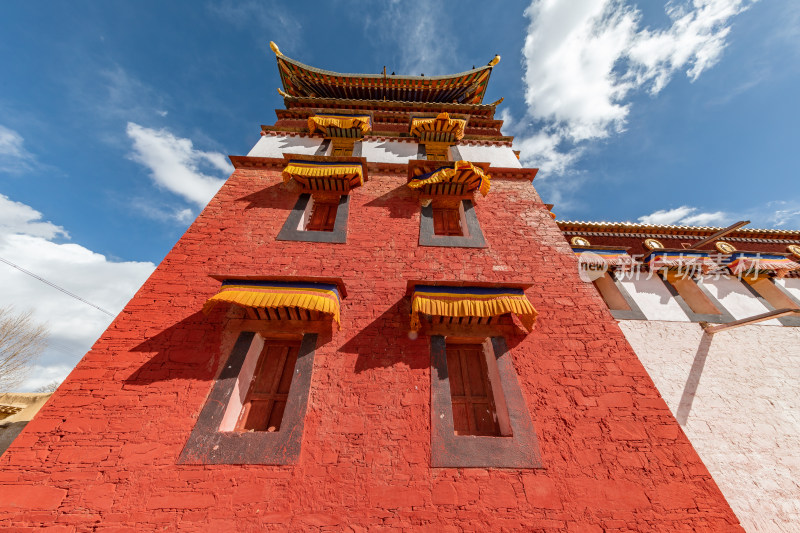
[103,451]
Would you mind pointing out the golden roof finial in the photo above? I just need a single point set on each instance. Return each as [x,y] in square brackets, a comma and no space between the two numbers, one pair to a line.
[280,92]
[494,61]
[274,48]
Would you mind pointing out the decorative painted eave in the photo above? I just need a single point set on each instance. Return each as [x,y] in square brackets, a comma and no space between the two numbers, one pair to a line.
[299,79]
[472,140]
[638,230]
[478,122]
[293,102]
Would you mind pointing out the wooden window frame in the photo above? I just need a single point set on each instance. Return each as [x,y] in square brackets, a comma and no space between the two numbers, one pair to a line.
[472,237]
[520,449]
[209,443]
[437,152]
[462,381]
[342,146]
[319,216]
[277,391]
[293,228]
[448,221]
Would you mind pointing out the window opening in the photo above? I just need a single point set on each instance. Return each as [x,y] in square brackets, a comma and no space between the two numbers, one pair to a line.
[342,147]
[437,152]
[266,398]
[474,411]
[323,215]
[446,221]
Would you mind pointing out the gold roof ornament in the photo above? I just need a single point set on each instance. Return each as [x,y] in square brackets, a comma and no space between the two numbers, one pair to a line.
[441,128]
[653,244]
[794,249]
[324,122]
[579,241]
[304,81]
[724,247]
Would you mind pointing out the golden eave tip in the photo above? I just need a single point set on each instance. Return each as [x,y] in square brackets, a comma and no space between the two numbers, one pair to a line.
[274,48]
[492,63]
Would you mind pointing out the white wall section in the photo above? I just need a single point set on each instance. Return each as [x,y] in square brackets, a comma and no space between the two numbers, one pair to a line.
[389,151]
[737,396]
[792,286]
[736,298]
[653,297]
[276,146]
[498,156]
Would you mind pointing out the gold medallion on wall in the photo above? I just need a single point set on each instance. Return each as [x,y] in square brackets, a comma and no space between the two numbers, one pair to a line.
[653,244]
[724,247]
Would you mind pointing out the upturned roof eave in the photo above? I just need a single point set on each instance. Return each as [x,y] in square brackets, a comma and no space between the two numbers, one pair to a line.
[451,79]
[324,72]
[319,100]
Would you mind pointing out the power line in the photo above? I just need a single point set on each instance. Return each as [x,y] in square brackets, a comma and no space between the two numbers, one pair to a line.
[65,291]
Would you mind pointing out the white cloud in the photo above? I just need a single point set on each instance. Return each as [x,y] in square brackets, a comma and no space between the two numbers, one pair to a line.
[772,215]
[164,214]
[14,158]
[18,218]
[784,213]
[584,59]
[545,145]
[684,215]
[705,219]
[74,326]
[44,375]
[176,165]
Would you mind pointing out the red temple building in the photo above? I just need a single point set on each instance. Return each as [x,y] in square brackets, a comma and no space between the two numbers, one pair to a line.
[375,324]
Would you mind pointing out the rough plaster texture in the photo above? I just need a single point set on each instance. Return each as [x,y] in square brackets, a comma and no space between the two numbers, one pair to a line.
[653,297]
[736,298]
[737,396]
[276,146]
[102,453]
[389,151]
[498,156]
[656,302]
[792,285]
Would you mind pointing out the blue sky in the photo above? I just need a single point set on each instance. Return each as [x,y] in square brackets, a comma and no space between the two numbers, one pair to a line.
[115,118]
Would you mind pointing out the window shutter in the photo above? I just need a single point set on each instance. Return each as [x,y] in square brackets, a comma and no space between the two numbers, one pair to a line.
[446,221]
[269,389]
[323,217]
[473,403]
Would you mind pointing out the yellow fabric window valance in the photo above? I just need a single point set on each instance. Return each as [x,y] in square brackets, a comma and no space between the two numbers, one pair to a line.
[305,172]
[741,262]
[321,297]
[453,301]
[321,121]
[441,124]
[459,172]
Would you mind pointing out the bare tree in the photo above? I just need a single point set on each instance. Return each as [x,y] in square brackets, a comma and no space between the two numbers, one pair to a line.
[21,342]
[50,387]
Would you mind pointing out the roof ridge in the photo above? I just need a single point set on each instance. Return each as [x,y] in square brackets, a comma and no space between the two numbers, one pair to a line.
[640,225]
